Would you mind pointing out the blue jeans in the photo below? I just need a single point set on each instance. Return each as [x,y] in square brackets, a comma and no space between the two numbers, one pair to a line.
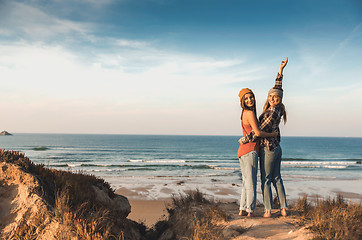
[249,169]
[270,173]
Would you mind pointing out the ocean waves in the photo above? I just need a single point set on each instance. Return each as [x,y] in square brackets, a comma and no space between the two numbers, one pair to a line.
[353,164]
[182,156]
[195,167]
[134,167]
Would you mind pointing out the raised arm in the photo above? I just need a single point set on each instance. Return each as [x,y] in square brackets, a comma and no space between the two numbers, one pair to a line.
[282,66]
[278,80]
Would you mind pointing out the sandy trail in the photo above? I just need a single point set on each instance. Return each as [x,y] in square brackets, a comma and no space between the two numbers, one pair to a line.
[258,227]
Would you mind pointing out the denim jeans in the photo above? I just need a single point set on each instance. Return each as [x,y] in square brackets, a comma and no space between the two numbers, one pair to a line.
[270,173]
[249,169]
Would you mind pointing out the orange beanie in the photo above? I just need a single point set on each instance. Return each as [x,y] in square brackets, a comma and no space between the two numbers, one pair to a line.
[244,91]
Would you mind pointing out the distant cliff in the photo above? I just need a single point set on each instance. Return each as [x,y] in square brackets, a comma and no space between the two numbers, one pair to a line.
[5,133]
[42,203]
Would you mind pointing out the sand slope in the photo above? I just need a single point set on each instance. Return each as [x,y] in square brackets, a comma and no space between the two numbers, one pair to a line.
[19,203]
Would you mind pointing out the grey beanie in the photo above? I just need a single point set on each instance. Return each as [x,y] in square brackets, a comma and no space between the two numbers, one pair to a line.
[278,91]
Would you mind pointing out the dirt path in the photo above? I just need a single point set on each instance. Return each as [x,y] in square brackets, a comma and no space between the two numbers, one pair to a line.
[277,227]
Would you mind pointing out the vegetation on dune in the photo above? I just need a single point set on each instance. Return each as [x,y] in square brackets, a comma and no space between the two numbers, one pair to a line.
[54,181]
[332,218]
[74,203]
[191,216]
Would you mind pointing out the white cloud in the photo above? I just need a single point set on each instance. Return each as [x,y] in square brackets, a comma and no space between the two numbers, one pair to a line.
[55,72]
[31,22]
[45,81]
[131,44]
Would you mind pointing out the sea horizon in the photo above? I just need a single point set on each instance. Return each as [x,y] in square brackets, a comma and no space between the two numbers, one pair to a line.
[171,134]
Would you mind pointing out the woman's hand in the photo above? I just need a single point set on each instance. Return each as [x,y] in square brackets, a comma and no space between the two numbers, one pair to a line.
[275,133]
[282,66]
[240,141]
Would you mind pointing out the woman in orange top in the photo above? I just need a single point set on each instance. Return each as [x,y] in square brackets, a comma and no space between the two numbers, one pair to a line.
[248,153]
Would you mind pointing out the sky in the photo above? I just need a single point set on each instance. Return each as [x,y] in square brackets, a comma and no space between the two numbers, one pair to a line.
[176,67]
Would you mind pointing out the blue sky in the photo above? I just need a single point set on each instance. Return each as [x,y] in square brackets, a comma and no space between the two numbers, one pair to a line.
[176,67]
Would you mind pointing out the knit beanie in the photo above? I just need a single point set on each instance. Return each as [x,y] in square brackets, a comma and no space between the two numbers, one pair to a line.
[244,91]
[277,91]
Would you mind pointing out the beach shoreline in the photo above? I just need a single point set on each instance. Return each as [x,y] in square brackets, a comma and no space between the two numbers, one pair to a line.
[143,188]
[149,198]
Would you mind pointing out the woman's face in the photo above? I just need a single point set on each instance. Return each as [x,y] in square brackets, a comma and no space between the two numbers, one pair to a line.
[273,99]
[249,100]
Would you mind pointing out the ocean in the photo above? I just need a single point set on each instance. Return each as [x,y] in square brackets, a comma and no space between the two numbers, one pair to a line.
[180,156]
[154,166]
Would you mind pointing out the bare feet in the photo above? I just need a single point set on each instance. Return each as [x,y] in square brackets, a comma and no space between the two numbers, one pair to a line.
[283,211]
[267,213]
[250,214]
[242,213]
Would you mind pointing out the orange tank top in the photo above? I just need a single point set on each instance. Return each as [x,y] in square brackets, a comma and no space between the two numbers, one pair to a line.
[247,147]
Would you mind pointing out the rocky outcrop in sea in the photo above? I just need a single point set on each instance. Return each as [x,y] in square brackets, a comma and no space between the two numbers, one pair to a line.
[5,133]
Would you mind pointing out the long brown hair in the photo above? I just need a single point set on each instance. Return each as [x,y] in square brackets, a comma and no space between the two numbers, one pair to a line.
[284,112]
[243,106]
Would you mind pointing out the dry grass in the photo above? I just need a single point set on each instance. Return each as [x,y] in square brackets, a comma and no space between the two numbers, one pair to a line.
[54,181]
[203,216]
[332,218]
[29,230]
[95,225]
[191,216]
[205,224]
[73,200]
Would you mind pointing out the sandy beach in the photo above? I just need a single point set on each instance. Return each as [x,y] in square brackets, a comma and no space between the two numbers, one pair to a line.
[149,197]
[148,211]
[145,210]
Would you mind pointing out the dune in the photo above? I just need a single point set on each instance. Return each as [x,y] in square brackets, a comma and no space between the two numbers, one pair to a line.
[42,203]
